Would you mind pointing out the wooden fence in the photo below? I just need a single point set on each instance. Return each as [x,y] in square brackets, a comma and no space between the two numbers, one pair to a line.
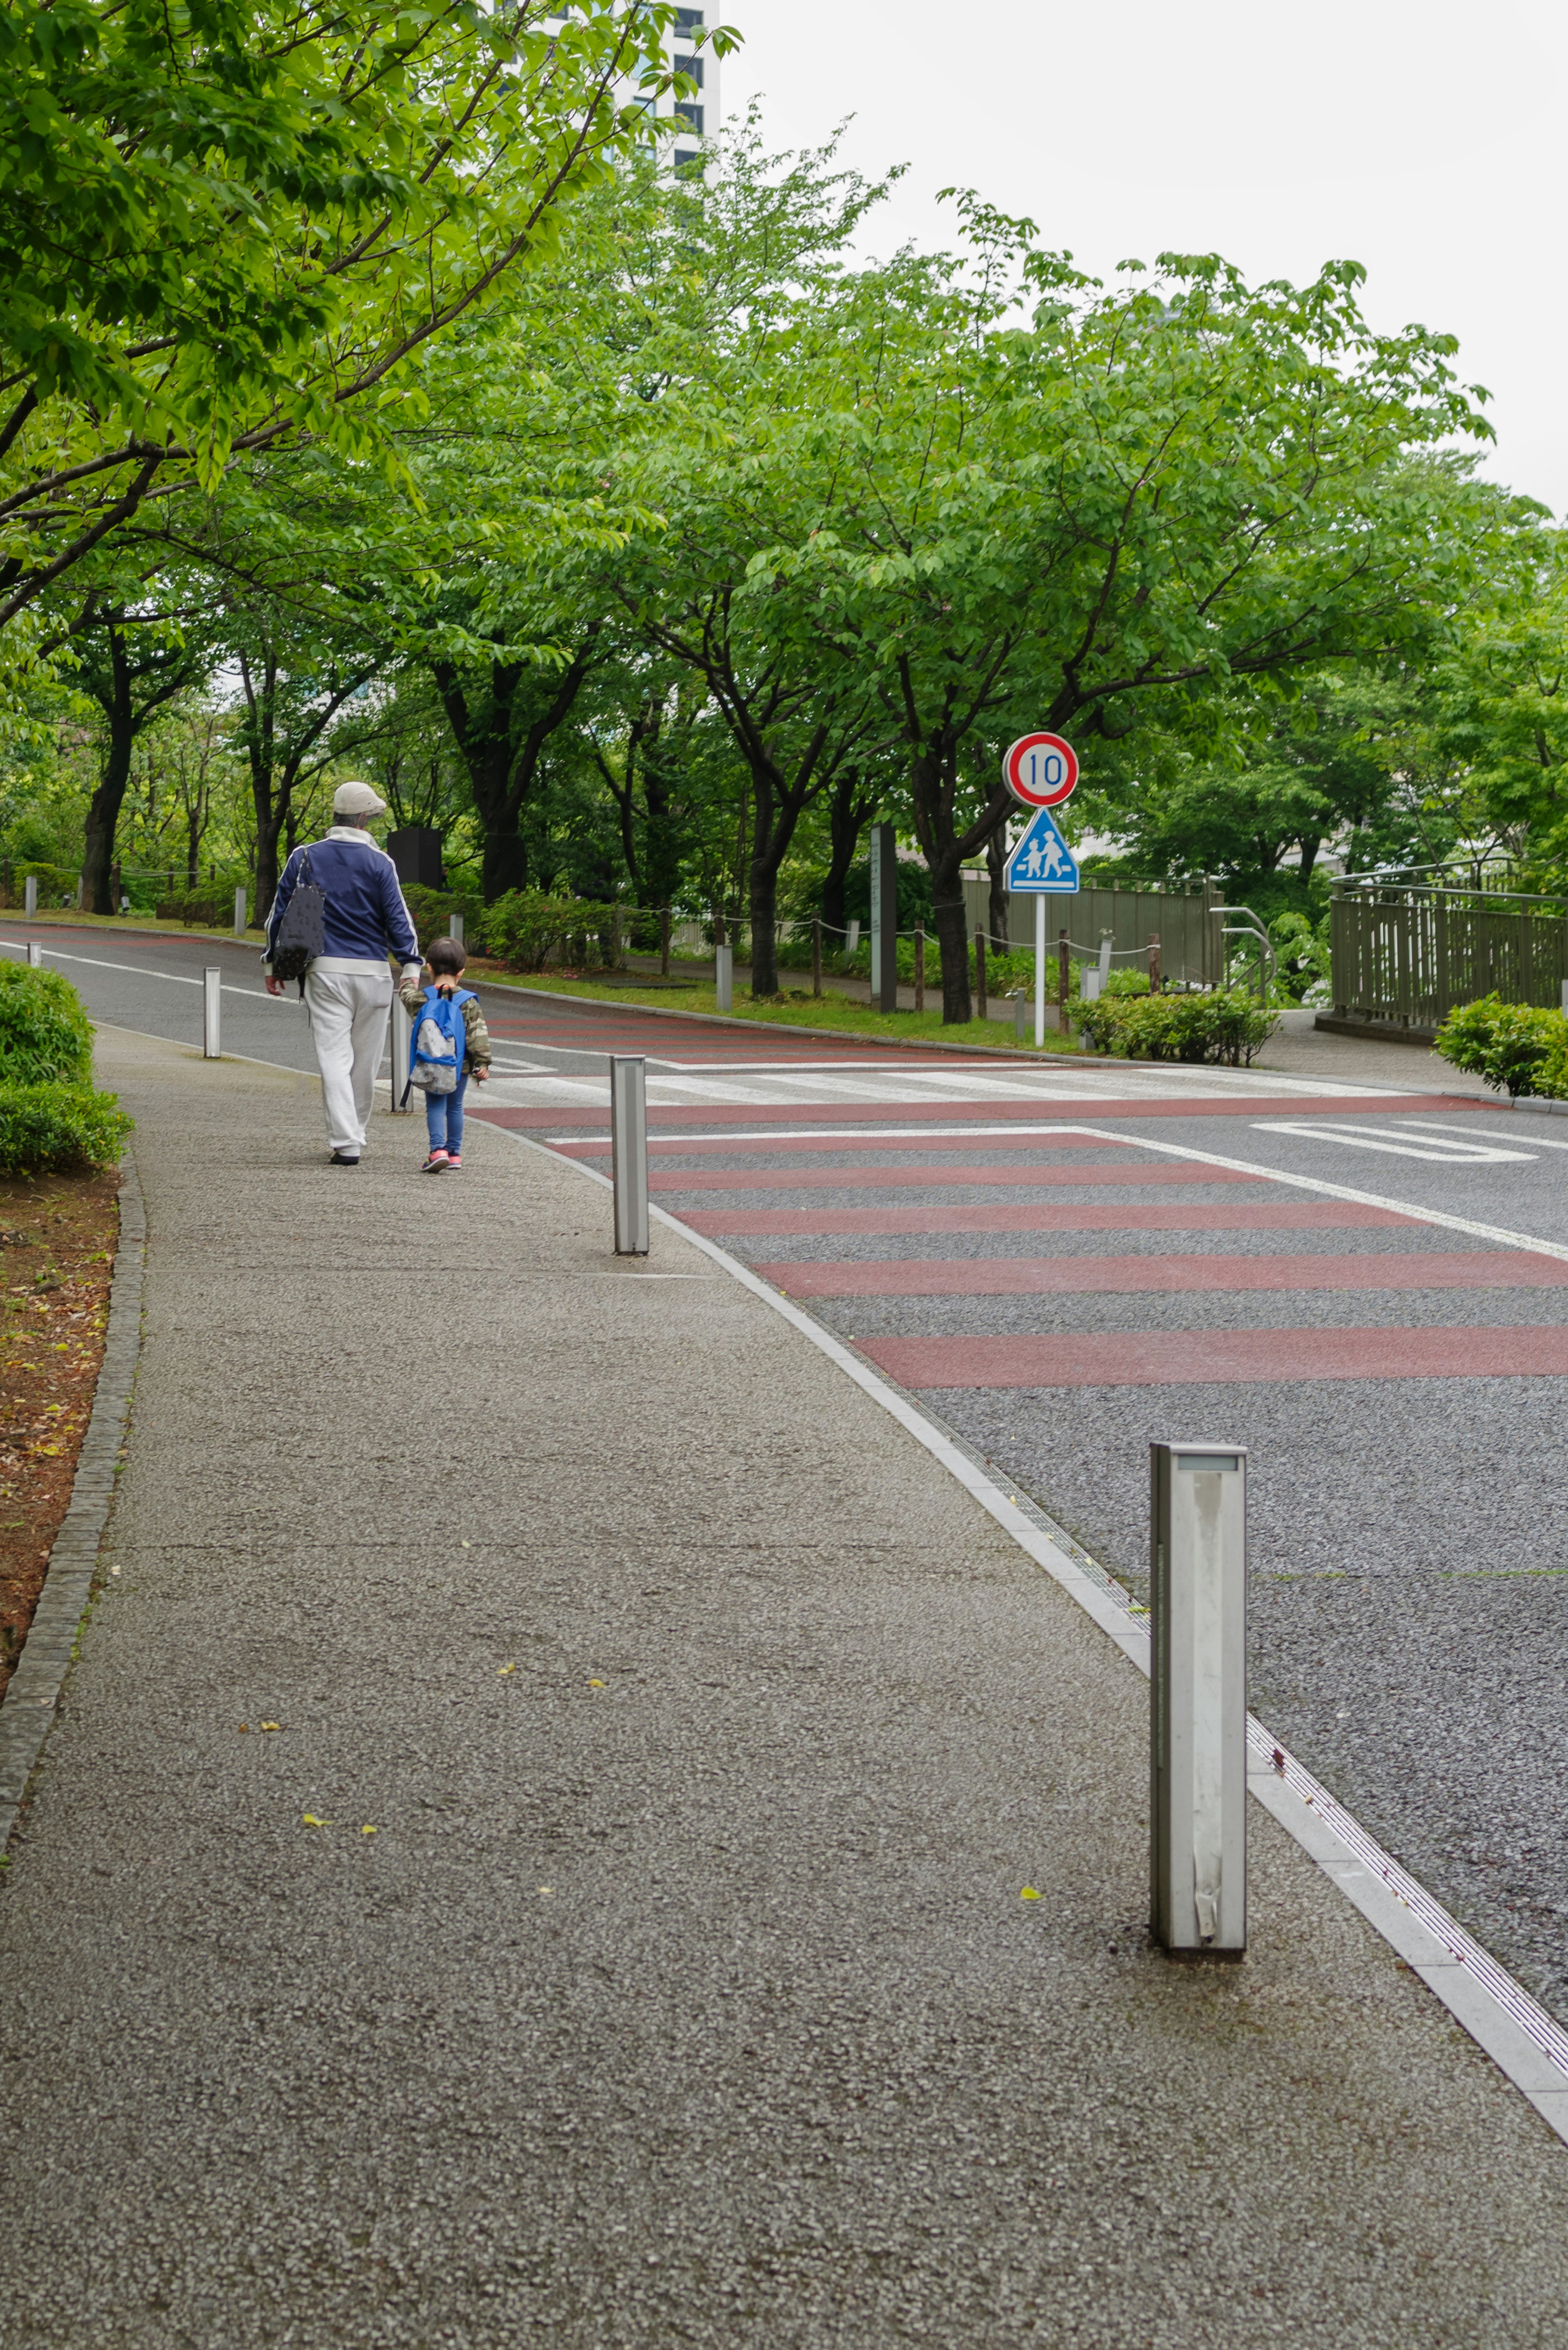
[1406,956]
[1189,942]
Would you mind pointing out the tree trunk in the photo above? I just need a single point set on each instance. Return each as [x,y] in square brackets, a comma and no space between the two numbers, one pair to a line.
[765,887]
[505,863]
[103,813]
[850,812]
[996,866]
[952,925]
[501,764]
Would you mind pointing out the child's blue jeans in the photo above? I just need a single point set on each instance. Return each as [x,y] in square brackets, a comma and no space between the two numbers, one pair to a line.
[444,1118]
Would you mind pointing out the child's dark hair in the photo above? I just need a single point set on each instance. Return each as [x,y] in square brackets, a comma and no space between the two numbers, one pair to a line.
[445,958]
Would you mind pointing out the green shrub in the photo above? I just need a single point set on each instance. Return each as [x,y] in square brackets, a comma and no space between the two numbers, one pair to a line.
[211,905]
[57,887]
[526,928]
[46,1035]
[1226,1025]
[1520,1047]
[49,1127]
[432,912]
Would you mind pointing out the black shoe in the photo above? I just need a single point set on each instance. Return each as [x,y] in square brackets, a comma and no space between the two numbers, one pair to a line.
[342,1159]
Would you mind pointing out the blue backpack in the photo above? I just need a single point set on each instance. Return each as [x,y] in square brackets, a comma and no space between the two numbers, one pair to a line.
[439,1043]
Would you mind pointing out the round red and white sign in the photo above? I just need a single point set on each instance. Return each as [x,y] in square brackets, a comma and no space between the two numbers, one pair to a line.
[1040,770]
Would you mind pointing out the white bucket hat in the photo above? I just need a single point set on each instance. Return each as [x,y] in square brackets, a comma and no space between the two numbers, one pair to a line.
[357,800]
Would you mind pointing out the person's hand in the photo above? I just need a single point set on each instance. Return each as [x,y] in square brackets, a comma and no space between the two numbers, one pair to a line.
[275,986]
[480,1075]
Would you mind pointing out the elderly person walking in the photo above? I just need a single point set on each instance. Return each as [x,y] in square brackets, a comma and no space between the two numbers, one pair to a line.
[349,988]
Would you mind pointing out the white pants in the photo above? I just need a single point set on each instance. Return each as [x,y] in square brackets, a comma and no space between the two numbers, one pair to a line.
[347,1011]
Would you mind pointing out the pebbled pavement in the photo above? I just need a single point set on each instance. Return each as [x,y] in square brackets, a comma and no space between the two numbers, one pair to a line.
[685,1992]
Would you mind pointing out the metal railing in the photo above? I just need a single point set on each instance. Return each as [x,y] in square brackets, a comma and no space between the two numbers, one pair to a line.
[1405,956]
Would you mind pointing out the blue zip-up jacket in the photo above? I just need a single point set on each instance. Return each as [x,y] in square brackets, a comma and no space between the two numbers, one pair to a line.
[366,917]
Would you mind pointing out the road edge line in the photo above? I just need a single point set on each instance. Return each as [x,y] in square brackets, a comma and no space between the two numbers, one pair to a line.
[31,1701]
[1524,2041]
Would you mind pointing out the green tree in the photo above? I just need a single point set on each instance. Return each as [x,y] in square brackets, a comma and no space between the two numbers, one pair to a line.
[1150,493]
[226,227]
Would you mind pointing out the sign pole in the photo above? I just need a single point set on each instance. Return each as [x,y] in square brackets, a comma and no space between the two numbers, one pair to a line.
[1039,973]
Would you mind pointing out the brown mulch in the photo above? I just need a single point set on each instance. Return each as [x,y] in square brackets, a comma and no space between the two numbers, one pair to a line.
[58,1239]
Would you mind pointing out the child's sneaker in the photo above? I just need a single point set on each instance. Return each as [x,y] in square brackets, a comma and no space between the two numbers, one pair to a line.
[435,1164]
[453,1161]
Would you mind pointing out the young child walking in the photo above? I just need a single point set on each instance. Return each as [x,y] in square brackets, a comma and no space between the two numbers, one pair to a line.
[443,1111]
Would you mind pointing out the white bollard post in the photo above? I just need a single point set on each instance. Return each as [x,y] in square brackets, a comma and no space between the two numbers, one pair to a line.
[1105,961]
[242,910]
[852,941]
[401,1052]
[212,1015]
[1039,973]
[35,954]
[629,1152]
[1198,1709]
[30,895]
[455,932]
[724,976]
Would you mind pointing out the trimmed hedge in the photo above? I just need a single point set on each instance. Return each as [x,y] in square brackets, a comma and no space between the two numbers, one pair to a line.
[430,911]
[525,927]
[212,905]
[1226,1025]
[1519,1048]
[46,1037]
[47,1129]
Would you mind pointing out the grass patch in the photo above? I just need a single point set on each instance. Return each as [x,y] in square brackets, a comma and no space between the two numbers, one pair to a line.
[838,1016]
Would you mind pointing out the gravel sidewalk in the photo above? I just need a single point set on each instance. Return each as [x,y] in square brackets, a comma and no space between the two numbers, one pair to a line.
[684,1993]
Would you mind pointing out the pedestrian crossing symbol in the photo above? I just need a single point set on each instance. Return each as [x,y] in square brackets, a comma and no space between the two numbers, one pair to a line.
[1042,865]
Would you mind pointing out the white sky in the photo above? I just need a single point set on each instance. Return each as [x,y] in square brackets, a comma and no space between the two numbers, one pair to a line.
[1425,142]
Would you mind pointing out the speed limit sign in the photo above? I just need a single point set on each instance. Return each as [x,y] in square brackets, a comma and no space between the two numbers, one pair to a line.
[1040,770]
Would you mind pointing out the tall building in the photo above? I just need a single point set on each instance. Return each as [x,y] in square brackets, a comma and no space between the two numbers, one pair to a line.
[700,115]
[697,117]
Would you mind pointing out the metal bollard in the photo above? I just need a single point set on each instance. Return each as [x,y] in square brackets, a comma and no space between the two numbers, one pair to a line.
[35,954]
[242,910]
[1198,1710]
[212,1015]
[30,896]
[724,976]
[403,1042]
[455,932]
[628,1151]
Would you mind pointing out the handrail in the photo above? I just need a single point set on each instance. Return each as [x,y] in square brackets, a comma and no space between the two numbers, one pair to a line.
[1250,928]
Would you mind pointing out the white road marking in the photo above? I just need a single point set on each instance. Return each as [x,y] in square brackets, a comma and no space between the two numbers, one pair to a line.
[1492,1133]
[1451,1151]
[141,970]
[1438,1217]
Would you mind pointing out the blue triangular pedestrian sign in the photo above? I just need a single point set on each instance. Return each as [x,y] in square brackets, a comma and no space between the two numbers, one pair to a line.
[1042,865]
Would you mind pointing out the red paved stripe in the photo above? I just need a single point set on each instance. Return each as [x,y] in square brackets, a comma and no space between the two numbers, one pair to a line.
[1078,1112]
[597,1147]
[890,1179]
[1047,1276]
[1186,1357]
[1118,1216]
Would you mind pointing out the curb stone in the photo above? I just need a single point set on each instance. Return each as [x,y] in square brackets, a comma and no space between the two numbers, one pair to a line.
[32,1697]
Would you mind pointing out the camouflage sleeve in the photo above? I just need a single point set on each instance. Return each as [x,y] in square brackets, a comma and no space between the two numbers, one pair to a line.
[411,994]
[478,1054]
